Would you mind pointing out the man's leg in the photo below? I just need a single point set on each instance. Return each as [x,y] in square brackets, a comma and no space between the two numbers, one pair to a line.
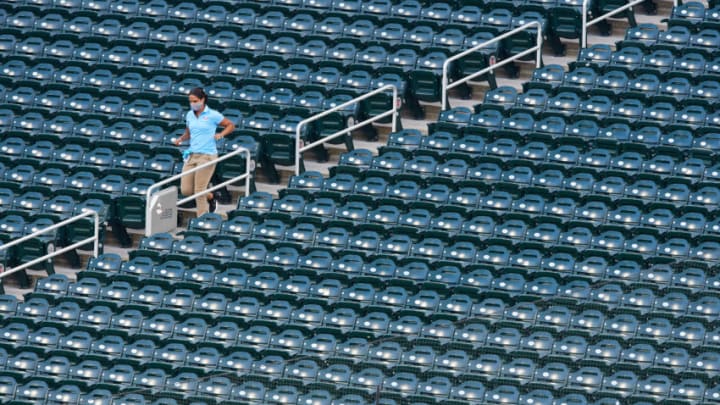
[187,183]
[202,179]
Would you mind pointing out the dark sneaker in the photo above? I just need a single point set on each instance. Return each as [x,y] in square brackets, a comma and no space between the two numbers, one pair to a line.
[213,205]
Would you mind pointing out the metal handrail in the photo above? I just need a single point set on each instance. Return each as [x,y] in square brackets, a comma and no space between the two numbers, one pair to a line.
[586,23]
[298,130]
[537,49]
[246,175]
[95,238]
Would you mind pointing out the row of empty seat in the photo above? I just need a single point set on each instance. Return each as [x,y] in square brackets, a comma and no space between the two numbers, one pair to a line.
[560,160]
[226,28]
[267,299]
[471,193]
[221,389]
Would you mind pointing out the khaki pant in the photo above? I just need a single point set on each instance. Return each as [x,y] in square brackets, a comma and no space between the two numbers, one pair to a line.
[197,181]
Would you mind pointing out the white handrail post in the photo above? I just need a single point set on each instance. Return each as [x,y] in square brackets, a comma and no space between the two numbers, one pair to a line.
[444,83]
[96,234]
[538,52]
[396,109]
[444,86]
[298,135]
[584,27]
[247,175]
[298,129]
[95,239]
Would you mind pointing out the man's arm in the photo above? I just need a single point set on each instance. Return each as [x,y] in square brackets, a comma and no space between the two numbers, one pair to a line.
[228,127]
[184,137]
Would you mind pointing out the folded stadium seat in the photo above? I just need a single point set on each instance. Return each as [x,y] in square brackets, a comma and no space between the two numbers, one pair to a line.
[153,377]
[233,277]
[655,64]
[191,330]
[283,46]
[711,173]
[8,42]
[704,90]
[32,122]
[659,113]
[535,150]
[119,374]
[420,36]
[23,95]
[30,202]
[249,390]
[137,31]
[243,16]
[15,69]
[712,394]
[690,64]
[692,168]
[706,307]
[675,358]
[14,146]
[487,169]
[704,41]
[172,270]
[32,390]
[359,158]
[677,136]
[361,29]
[453,38]
[691,116]
[564,104]
[252,91]
[521,173]
[297,73]
[22,173]
[32,46]
[691,220]
[327,76]
[207,63]
[690,14]
[309,97]
[421,164]
[405,188]
[583,78]
[343,53]
[22,19]
[51,100]
[7,117]
[100,157]
[61,205]
[42,149]
[674,89]
[272,20]
[390,161]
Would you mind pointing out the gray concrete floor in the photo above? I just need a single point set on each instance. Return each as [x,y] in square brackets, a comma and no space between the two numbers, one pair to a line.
[432,110]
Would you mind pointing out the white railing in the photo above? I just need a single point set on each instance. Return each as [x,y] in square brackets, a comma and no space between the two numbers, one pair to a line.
[95,239]
[246,175]
[586,23]
[537,49]
[298,130]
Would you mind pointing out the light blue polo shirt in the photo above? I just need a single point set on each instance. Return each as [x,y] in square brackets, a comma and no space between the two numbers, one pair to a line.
[202,130]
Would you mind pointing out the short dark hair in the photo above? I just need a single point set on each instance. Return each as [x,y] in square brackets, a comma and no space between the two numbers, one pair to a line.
[199,93]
